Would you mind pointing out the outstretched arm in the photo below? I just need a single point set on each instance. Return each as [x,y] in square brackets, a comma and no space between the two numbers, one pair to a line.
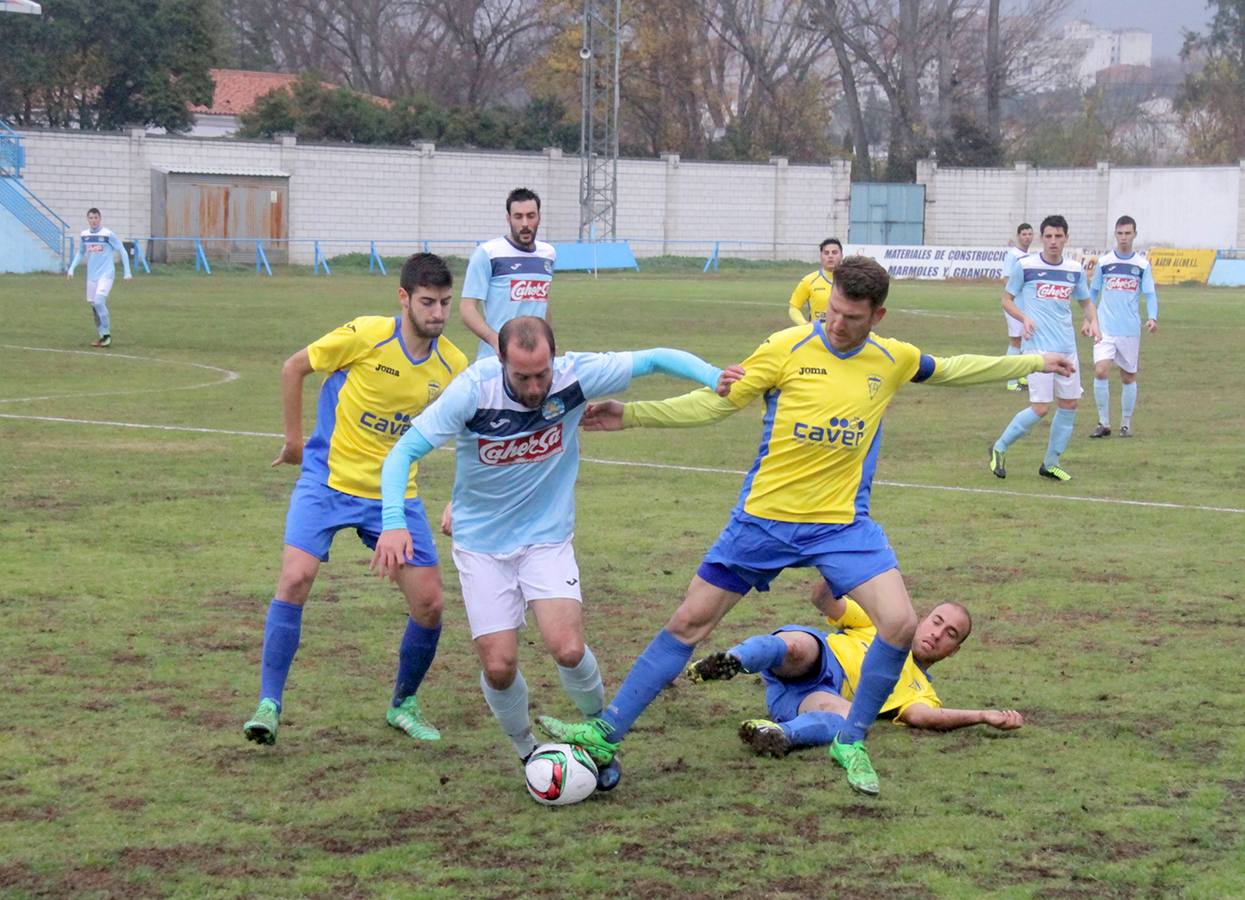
[393,547]
[970,368]
[682,364]
[919,715]
[701,407]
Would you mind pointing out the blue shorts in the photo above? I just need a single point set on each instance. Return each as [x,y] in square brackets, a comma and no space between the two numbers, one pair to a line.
[317,512]
[783,698]
[750,552]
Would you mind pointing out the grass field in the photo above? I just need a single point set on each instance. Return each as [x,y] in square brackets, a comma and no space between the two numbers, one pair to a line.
[136,565]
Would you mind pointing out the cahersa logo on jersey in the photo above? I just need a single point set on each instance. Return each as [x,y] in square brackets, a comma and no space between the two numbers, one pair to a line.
[535,447]
[529,289]
[1121,283]
[838,432]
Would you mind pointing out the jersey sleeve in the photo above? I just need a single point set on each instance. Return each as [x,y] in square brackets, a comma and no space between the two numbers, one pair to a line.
[799,300]
[602,373]
[702,407]
[1080,290]
[905,696]
[1016,281]
[443,419]
[479,274]
[854,618]
[761,371]
[970,368]
[1095,285]
[340,347]
[1151,293]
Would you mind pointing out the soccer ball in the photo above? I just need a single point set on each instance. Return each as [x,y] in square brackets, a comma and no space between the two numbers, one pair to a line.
[558,774]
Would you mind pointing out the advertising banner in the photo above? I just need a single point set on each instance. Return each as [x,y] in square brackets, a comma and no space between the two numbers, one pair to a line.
[1173,265]
[937,262]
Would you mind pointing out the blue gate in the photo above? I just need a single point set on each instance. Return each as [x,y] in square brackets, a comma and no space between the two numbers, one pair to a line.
[887,214]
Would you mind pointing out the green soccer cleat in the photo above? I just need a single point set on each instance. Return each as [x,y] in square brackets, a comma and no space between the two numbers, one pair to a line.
[1054,472]
[262,727]
[1022,381]
[766,738]
[408,717]
[996,463]
[855,759]
[714,667]
[1013,385]
[590,735]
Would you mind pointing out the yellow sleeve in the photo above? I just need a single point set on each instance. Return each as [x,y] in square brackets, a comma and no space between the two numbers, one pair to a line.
[799,302]
[854,616]
[343,345]
[700,407]
[971,369]
[905,699]
[763,367]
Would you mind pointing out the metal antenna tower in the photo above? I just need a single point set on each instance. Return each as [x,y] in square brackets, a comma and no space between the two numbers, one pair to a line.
[598,129]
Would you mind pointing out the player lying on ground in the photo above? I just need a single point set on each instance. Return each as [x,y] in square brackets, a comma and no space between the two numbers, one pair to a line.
[805,501]
[811,676]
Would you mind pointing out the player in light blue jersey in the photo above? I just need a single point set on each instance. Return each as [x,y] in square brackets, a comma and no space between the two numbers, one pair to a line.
[1045,284]
[1121,278]
[97,244]
[516,421]
[509,275]
[1015,253]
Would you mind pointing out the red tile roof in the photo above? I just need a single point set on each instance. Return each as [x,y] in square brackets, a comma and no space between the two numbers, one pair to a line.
[238,89]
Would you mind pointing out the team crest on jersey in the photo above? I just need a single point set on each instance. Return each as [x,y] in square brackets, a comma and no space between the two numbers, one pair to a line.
[434,390]
[553,408]
[875,384]
[548,267]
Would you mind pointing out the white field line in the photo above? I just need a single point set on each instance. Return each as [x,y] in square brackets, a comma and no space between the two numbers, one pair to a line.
[228,375]
[1069,498]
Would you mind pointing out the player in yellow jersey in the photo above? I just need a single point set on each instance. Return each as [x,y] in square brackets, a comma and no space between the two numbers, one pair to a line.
[805,501]
[382,371]
[810,676]
[808,300]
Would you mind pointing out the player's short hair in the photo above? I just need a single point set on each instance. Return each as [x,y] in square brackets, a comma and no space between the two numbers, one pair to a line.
[827,242]
[1023,226]
[862,278]
[425,270]
[521,195]
[527,332]
[1126,220]
[95,210]
[1055,222]
[968,617]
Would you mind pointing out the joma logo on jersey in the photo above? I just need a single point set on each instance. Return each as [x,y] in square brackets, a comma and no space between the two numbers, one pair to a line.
[533,448]
[811,370]
[397,426]
[843,432]
[381,367]
[1048,291]
[1121,283]
[529,289]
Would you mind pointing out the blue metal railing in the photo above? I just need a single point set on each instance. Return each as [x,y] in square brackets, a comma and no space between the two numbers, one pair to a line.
[12,153]
[37,216]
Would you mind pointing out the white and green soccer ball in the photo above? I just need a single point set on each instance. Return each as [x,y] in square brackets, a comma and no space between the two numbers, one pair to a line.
[558,774]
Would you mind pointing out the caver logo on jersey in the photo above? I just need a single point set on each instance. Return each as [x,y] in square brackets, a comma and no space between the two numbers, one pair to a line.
[533,448]
[522,289]
[1121,283]
[843,432]
[1048,291]
[396,426]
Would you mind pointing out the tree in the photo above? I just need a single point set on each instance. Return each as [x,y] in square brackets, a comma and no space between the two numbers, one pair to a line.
[106,65]
[1212,101]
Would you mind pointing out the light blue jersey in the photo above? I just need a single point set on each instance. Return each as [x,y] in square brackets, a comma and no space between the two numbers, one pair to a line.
[1118,283]
[514,483]
[1013,256]
[97,247]
[510,282]
[1044,291]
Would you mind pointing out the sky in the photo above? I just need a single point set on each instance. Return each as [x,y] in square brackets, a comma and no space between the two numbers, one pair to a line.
[1162,18]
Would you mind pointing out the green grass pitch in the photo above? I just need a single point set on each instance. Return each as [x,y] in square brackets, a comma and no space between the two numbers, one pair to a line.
[136,565]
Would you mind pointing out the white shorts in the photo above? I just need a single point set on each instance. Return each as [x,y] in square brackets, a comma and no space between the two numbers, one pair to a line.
[1047,386]
[497,587]
[97,291]
[1124,351]
[1015,327]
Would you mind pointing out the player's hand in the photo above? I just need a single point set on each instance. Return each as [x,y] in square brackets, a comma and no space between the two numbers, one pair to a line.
[447,519]
[1089,328]
[1029,327]
[393,549]
[1151,326]
[729,376]
[1004,719]
[1058,363]
[291,454]
[604,416]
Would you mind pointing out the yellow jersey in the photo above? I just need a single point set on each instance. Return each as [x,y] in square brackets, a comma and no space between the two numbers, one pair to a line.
[849,645]
[811,297]
[374,389]
[823,422]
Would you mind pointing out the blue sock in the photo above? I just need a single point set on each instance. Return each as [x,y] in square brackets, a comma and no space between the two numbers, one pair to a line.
[101,317]
[415,654]
[1102,399]
[878,674]
[583,684]
[281,632]
[1128,402]
[662,660]
[760,652]
[813,729]
[1019,426]
[1060,434]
